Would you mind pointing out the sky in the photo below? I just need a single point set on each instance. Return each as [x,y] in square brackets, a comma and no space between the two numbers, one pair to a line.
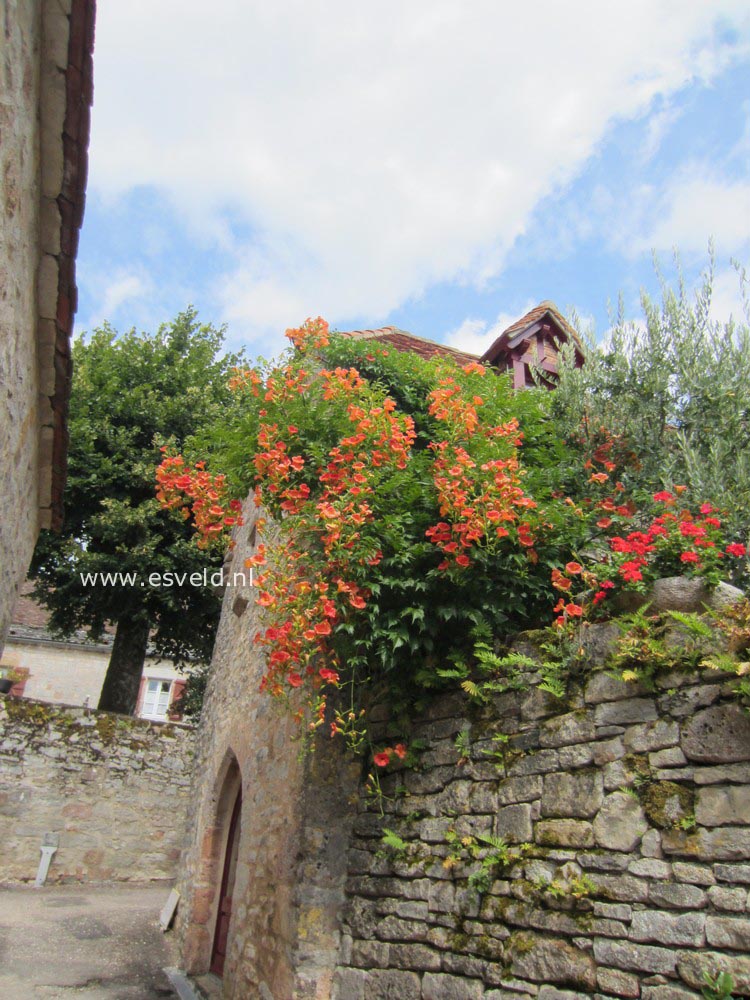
[437,165]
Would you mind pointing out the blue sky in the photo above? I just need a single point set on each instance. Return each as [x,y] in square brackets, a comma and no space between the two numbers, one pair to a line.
[441,166]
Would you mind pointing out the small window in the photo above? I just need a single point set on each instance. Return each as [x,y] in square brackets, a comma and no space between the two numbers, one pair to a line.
[156,699]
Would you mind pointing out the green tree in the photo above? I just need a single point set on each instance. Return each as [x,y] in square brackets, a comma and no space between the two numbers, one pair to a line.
[676,387]
[131,394]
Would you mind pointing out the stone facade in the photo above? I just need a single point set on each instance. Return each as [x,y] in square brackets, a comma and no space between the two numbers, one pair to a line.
[294,827]
[625,812]
[46,92]
[114,790]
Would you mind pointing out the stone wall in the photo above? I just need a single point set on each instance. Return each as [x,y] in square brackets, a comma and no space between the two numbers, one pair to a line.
[625,811]
[294,829]
[634,811]
[46,90]
[114,789]
[21,30]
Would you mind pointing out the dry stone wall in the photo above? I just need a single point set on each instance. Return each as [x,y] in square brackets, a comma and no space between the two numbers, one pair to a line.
[627,815]
[113,789]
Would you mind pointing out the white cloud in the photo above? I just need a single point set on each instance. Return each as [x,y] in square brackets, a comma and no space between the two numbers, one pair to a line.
[477,335]
[726,298]
[115,291]
[698,205]
[366,152]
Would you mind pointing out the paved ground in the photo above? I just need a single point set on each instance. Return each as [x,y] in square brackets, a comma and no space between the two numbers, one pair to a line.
[70,942]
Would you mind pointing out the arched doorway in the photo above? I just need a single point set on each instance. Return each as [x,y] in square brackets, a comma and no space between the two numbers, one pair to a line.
[224,910]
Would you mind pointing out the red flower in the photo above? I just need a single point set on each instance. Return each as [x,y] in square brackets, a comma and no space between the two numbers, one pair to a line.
[323,628]
[382,759]
[294,680]
[574,610]
[736,549]
[573,568]
[664,497]
[400,751]
[329,675]
[463,560]
[706,508]
[690,557]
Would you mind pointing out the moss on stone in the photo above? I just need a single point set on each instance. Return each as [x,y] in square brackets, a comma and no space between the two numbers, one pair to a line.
[666,803]
[31,712]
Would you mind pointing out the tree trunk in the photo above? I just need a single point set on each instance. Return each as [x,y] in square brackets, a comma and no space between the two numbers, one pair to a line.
[120,688]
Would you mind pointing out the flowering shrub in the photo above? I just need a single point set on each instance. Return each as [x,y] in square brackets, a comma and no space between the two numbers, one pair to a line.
[417,500]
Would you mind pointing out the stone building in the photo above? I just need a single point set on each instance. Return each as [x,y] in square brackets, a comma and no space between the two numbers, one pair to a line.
[71,671]
[47,76]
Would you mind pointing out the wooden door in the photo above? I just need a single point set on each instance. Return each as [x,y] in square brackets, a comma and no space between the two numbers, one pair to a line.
[227,888]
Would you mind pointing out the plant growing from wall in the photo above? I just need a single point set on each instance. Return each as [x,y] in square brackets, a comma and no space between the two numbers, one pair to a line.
[423,507]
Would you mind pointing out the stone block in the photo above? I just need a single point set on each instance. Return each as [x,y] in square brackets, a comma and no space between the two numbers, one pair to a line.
[390,984]
[656,735]
[692,965]
[667,992]
[552,993]
[613,911]
[604,687]
[443,987]
[650,868]
[349,984]
[717,735]
[572,795]
[536,704]
[607,751]
[651,844]
[671,757]
[724,898]
[733,873]
[729,932]
[483,798]
[455,797]
[370,954]
[618,983]
[721,773]
[442,897]
[564,833]
[723,805]
[624,713]
[541,762]
[602,862]
[574,756]
[622,888]
[553,960]
[574,727]
[414,956]
[514,823]
[523,789]
[620,823]
[677,896]
[633,957]
[688,700]
[669,928]
[695,874]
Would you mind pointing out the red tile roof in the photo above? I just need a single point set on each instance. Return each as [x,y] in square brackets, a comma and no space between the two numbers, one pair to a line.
[400,340]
